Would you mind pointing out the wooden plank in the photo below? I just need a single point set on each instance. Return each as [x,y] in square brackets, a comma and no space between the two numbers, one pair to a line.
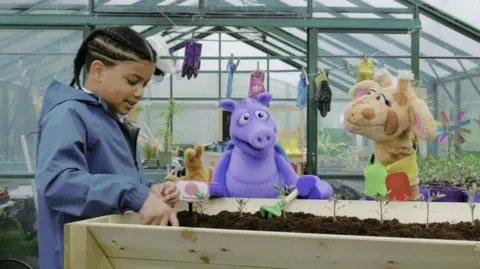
[130,245]
[83,251]
[119,263]
[405,212]
[280,250]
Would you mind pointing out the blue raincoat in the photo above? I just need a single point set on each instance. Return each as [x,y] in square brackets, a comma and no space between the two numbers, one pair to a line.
[88,165]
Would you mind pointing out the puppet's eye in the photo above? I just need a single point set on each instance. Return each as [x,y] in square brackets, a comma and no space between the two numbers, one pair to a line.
[382,99]
[244,118]
[262,115]
[371,91]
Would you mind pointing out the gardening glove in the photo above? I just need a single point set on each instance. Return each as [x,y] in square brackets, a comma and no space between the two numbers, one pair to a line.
[256,84]
[312,187]
[323,93]
[188,60]
[302,92]
[366,71]
[197,52]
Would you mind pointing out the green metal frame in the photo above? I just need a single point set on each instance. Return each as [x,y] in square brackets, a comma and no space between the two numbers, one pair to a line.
[327,24]
[222,15]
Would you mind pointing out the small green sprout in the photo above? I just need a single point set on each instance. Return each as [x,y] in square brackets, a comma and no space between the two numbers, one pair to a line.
[200,206]
[241,205]
[383,202]
[472,190]
[282,194]
[336,208]
[431,197]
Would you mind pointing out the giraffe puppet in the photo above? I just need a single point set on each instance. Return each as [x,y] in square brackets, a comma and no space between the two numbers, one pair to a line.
[395,119]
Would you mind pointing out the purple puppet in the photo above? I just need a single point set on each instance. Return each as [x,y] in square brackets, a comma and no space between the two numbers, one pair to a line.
[254,164]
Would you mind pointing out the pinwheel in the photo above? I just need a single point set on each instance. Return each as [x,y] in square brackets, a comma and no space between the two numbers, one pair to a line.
[447,127]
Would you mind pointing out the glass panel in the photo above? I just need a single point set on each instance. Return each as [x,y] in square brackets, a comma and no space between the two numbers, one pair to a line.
[31,59]
[467,11]
[443,41]
[204,86]
[470,103]
[205,113]
[159,90]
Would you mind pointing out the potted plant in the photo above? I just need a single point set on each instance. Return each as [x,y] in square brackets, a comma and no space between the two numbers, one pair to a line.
[447,176]
[468,168]
[150,148]
[135,113]
[164,132]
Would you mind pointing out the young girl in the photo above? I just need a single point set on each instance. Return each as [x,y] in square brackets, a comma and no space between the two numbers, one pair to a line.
[88,162]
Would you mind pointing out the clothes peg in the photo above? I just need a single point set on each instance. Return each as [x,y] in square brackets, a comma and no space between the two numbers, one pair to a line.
[364,55]
[305,76]
[192,39]
[230,60]
[258,65]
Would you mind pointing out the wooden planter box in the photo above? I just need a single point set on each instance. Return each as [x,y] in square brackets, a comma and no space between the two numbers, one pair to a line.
[119,242]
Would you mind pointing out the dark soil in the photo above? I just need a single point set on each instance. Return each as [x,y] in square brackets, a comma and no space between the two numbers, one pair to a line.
[308,223]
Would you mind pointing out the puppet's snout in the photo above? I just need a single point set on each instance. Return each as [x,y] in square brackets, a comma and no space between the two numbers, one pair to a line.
[359,115]
[368,113]
[262,138]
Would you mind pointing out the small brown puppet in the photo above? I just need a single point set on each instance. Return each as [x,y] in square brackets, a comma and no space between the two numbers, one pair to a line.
[395,118]
[194,165]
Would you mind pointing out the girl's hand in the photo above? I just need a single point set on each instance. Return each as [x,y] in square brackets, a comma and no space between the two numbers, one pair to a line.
[168,191]
[156,212]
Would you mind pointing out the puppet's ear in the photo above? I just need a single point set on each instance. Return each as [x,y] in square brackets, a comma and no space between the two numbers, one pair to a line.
[404,78]
[383,76]
[199,150]
[361,88]
[227,104]
[422,120]
[265,98]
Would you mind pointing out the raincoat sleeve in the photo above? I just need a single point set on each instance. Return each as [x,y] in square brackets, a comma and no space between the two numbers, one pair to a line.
[62,173]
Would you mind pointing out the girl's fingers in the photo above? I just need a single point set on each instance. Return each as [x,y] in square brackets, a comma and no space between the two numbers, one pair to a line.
[174,220]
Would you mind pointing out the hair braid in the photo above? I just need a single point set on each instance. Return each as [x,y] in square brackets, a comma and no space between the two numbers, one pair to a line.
[110,45]
[80,59]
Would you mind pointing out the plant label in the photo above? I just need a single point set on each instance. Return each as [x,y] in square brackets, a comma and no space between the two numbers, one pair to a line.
[192,191]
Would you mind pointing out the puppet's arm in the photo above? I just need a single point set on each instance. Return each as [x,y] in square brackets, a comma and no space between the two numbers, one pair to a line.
[217,186]
[308,186]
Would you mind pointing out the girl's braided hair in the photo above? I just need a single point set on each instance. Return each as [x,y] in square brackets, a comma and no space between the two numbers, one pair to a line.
[110,45]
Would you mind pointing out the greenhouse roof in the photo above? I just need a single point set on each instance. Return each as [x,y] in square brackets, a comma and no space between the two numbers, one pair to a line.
[449,45]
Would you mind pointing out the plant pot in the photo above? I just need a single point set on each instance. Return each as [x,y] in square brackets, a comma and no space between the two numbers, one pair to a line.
[424,193]
[151,164]
[120,242]
[452,193]
[476,199]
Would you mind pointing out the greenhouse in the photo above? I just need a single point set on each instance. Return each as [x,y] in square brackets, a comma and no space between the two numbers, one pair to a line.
[291,51]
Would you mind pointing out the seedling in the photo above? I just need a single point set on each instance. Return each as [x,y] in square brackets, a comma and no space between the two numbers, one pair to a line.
[431,197]
[282,194]
[201,205]
[472,191]
[335,200]
[383,202]
[241,205]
